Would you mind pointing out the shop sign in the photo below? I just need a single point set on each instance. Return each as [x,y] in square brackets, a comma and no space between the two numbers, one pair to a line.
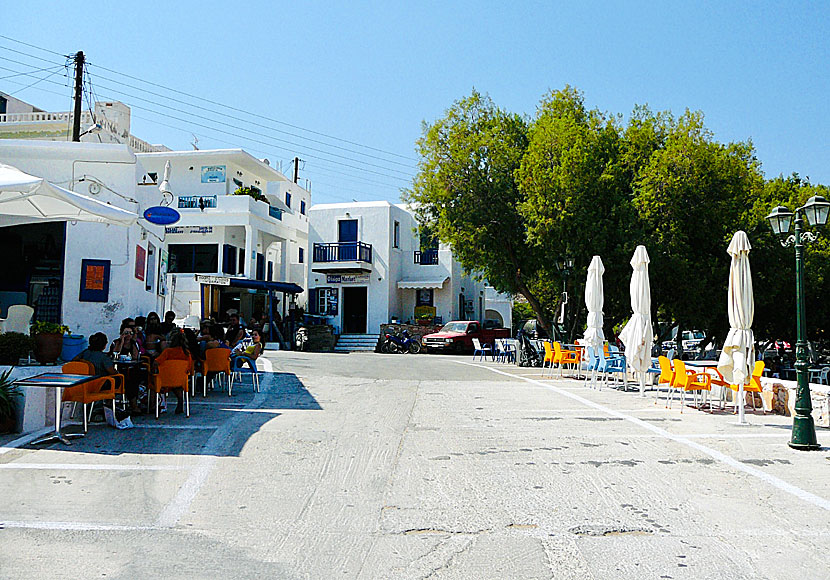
[347,278]
[161,215]
[213,280]
[189,230]
[213,173]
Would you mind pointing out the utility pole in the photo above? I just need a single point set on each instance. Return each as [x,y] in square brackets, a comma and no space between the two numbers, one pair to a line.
[79,88]
[296,169]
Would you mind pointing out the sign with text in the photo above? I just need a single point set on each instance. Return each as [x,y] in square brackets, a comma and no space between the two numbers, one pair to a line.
[213,173]
[213,280]
[347,278]
[189,230]
[95,281]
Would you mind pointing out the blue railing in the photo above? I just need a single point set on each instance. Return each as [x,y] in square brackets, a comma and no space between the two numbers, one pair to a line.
[426,258]
[343,252]
[275,212]
[193,201]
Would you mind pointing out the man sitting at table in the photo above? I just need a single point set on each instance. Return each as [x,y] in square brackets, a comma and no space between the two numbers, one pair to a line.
[95,354]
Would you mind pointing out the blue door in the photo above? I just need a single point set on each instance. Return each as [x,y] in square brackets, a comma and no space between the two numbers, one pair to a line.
[347,238]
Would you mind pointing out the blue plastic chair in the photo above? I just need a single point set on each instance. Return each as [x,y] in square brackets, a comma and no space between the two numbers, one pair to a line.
[482,350]
[591,365]
[611,364]
[244,365]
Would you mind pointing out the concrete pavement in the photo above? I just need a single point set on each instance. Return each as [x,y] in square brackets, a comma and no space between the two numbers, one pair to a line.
[385,466]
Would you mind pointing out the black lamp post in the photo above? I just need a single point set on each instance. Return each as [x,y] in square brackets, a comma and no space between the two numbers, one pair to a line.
[565,266]
[815,210]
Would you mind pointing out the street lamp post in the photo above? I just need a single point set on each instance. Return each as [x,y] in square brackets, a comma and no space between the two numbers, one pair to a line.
[565,266]
[815,210]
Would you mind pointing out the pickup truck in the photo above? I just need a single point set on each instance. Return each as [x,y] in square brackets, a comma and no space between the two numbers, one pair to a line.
[457,336]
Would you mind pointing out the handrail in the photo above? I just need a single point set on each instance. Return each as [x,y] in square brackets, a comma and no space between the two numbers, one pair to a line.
[342,252]
[192,201]
[426,257]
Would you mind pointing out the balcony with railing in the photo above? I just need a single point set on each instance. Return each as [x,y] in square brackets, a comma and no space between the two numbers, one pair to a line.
[196,201]
[426,257]
[342,257]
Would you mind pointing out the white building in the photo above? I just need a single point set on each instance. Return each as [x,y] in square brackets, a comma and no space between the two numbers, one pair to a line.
[368,267]
[71,255]
[230,237]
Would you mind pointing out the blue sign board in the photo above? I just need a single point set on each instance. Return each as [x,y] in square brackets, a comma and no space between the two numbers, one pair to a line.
[213,173]
[161,215]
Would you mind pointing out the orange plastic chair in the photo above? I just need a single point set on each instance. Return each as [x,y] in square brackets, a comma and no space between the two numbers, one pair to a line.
[754,386]
[218,360]
[100,389]
[565,357]
[173,374]
[690,380]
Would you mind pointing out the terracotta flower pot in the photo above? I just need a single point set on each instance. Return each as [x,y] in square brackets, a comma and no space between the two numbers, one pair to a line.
[48,347]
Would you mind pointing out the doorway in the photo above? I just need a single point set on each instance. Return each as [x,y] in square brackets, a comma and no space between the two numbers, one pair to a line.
[354,310]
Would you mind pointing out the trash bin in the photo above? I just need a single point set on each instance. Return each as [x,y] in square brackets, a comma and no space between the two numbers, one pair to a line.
[73,345]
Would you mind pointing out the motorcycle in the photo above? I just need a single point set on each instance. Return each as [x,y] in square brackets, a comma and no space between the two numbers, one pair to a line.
[394,343]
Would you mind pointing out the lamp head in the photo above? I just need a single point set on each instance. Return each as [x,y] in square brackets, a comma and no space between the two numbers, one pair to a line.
[816,210]
[780,219]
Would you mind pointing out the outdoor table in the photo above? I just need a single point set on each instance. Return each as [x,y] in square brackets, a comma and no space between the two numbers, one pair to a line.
[57,381]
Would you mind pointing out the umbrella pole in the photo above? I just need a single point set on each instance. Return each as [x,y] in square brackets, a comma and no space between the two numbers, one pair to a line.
[741,401]
[642,384]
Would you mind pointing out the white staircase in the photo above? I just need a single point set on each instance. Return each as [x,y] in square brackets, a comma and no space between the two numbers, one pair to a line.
[356,343]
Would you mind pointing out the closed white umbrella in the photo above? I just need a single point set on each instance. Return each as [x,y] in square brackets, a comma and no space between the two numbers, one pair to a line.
[164,186]
[26,199]
[638,334]
[594,301]
[738,355]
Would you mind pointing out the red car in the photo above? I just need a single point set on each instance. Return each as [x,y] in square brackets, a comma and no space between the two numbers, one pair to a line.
[457,336]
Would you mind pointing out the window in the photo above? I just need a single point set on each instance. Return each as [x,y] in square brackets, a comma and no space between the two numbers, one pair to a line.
[302,255]
[347,231]
[324,301]
[150,278]
[240,263]
[288,199]
[302,206]
[229,254]
[193,258]
[396,235]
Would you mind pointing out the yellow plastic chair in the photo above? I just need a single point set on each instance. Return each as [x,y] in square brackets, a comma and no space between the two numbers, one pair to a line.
[754,386]
[564,357]
[666,377]
[549,357]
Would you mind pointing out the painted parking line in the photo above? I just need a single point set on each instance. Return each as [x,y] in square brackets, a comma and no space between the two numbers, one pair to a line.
[175,427]
[713,453]
[92,467]
[70,526]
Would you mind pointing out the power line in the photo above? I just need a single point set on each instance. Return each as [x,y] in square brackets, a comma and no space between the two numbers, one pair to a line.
[212,102]
[197,116]
[40,80]
[32,72]
[255,124]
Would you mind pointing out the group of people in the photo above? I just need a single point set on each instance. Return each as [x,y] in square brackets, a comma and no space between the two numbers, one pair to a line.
[150,339]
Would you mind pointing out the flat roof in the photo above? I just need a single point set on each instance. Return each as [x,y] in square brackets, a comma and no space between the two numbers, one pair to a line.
[65,150]
[239,156]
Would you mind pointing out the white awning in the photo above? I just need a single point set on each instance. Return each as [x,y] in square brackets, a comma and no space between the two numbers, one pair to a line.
[26,199]
[422,283]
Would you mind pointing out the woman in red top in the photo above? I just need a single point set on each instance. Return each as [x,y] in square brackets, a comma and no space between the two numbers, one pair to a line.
[177,350]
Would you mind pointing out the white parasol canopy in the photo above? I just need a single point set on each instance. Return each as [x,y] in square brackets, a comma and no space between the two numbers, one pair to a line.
[738,355]
[26,199]
[638,334]
[594,301]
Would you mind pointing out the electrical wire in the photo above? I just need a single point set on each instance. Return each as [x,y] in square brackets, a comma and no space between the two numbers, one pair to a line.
[31,72]
[212,102]
[38,81]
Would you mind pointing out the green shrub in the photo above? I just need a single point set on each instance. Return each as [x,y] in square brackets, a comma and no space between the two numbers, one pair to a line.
[9,394]
[14,345]
[40,327]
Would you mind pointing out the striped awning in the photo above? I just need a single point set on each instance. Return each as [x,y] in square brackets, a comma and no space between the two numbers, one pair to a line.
[422,283]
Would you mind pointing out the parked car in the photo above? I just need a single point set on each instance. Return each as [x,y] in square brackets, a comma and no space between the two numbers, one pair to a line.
[692,340]
[457,336]
[532,329]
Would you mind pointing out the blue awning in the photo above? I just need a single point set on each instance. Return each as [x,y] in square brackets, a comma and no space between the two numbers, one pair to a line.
[287,287]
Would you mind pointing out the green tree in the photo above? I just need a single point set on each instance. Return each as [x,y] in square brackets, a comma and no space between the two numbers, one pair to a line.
[578,197]
[691,196]
[466,193]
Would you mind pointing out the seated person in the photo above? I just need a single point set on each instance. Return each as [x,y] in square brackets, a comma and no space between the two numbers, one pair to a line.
[177,350]
[168,323]
[140,325]
[125,345]
[235,331]
[104,366]
[154,340]
[250,353]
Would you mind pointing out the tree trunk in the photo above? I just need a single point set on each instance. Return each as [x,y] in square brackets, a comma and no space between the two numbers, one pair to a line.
[541,315]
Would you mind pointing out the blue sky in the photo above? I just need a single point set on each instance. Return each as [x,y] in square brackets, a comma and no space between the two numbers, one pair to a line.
[371,72]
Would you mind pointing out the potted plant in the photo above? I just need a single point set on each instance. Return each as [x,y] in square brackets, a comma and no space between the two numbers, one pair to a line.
[48,341]
[9,394]
[13,346]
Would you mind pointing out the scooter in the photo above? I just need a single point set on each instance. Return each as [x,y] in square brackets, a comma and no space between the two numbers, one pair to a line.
[401,343]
